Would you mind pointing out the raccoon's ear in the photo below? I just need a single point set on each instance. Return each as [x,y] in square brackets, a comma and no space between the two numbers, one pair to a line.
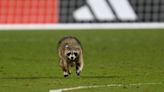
[66,46]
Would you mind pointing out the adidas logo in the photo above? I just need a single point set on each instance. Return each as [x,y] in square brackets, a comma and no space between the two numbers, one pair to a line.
[105,10]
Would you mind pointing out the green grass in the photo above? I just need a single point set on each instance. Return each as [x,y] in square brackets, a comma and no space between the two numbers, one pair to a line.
[29,62]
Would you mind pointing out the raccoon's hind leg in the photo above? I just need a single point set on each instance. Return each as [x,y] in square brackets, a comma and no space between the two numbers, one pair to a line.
[69,71]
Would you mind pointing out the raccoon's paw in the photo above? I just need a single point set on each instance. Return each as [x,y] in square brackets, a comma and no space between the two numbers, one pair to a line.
[65,74]
[69,72]
[78,72]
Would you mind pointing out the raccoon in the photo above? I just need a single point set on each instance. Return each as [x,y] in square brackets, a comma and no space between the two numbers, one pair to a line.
[70,54]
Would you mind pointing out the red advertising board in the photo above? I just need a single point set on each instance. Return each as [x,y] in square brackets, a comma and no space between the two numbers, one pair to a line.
[28,11]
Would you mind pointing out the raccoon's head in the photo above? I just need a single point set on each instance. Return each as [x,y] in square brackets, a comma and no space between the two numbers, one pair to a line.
[72,54]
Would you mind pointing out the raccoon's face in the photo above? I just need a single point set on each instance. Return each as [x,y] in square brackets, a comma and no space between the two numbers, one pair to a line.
[72,55]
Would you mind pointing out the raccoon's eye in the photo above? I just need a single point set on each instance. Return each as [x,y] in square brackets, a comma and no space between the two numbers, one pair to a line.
[68,54]
[75,53]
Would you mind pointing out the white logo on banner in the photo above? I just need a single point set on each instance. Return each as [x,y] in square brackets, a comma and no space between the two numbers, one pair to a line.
[117,9]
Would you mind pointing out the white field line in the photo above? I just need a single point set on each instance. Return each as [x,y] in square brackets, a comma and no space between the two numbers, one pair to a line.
[100,86]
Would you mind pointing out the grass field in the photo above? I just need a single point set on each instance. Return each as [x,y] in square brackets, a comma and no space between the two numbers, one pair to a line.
[29,62]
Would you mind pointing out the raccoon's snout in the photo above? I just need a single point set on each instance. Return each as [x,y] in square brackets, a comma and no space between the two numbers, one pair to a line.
[71,58]
[72,55]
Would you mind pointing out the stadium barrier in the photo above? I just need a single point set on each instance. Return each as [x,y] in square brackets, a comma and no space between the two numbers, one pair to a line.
[81,14]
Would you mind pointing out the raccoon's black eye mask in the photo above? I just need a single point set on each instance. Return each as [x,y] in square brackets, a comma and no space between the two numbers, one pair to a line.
[75,53]
[68,54]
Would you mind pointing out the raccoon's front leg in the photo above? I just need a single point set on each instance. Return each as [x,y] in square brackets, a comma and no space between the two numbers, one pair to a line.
[79,67]
[64,67]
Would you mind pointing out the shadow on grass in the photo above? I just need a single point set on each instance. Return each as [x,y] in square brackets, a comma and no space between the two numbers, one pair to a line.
[61,77]
[30,78]
[100,77]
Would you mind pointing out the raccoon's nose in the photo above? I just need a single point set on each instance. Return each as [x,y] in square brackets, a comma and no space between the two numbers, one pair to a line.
[72,58]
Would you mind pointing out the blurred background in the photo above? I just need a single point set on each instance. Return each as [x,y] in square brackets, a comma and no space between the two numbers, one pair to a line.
[125,46]
[63,13]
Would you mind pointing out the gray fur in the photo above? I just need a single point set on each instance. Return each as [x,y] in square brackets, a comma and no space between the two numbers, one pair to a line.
[70,54]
